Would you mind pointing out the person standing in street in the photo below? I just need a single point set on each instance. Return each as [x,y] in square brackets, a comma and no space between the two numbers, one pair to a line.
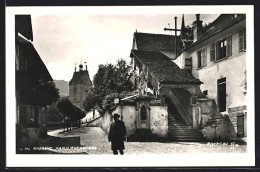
[116,135]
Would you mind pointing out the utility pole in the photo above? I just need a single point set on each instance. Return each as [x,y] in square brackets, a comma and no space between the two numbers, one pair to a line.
[166,29]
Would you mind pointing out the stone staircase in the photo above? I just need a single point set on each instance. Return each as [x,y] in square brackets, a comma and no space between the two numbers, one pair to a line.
[178,130]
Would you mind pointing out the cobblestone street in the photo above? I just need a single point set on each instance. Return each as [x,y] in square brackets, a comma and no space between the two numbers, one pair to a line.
[94,140]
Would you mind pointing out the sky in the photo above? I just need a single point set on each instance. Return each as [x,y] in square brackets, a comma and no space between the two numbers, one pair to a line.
[63,40]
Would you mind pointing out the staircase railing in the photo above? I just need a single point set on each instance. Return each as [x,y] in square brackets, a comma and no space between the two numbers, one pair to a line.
[182,111]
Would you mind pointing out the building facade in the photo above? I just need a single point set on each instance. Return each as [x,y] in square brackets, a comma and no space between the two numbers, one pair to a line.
[219,61]
[204,86]
[79,86]
[31,76]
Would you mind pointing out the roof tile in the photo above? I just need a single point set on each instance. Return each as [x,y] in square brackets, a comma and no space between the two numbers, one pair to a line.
[80,77]
[156,42]
[163,69]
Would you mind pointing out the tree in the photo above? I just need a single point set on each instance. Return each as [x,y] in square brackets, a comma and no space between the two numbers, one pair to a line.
[40,93]
[48,93]
[90,101]
[110,80]
[73,113]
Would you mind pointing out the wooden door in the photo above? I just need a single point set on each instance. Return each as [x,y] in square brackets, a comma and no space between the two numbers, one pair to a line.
[222,94]
[240,125]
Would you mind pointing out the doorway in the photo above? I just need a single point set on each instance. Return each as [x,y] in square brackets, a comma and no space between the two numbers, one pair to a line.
[143,120]
[222,94]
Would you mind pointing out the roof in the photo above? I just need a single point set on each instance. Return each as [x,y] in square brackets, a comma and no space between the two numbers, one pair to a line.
[80,77]
[23,25]
[156,42]
[35,64]
[163,69]
[223,22]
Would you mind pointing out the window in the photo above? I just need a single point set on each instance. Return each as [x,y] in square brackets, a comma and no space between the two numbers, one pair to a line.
[143,113]
[242,40]
[202,58]
[223,48]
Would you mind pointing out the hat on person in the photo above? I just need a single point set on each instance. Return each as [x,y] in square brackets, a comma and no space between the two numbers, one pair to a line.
[116,115]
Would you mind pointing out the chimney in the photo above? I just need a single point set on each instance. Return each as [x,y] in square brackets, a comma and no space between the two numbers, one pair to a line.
[197,28]
[75,68]
[86,65]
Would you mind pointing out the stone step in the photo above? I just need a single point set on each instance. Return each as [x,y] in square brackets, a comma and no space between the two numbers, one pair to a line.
[180,127]
[185,140]
[179,124]
[178,130]
[183,134]
[182,131]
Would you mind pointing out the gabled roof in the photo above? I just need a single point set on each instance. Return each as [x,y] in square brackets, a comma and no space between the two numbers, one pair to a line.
[156,42]
[163,69]
[223,22]
[80,77]
[35,64]
[23,25]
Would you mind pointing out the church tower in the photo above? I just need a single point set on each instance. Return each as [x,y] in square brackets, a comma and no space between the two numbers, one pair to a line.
[79,86]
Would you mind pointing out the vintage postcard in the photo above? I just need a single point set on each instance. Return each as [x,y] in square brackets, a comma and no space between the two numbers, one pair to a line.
[160,86]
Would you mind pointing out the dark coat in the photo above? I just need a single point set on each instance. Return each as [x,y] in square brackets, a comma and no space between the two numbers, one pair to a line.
[116,135]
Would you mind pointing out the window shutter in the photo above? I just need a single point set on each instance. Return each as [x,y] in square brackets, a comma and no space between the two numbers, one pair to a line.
[212,52]
[218,51]
[229,46]
[205,56]
[199,59]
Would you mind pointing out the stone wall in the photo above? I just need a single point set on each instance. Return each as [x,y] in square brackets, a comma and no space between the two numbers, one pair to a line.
[219,129]
[159,120]
[185,98]
[106,121]
[208,108]
[233,114]
[129,118]
[127,115]
[91,115]
[222,127]
[95,123]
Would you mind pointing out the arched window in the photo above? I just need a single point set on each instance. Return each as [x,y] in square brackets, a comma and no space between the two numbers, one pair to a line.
[143,113]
